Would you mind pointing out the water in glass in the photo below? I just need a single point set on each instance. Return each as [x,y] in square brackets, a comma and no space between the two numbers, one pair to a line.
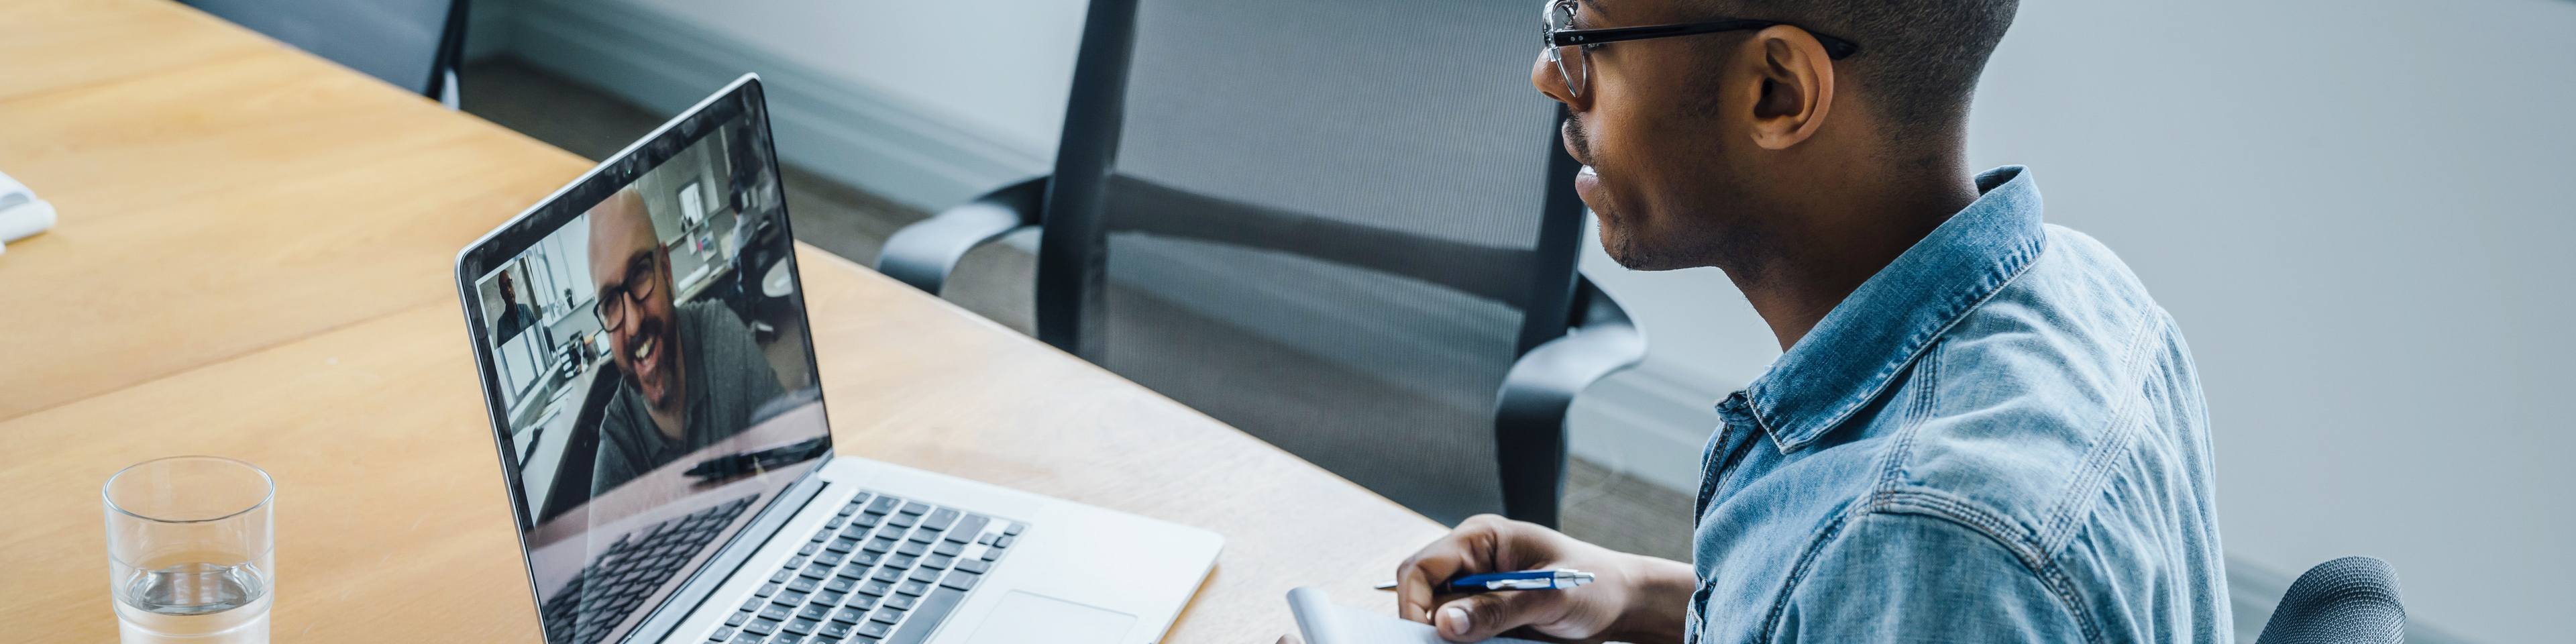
[190,552]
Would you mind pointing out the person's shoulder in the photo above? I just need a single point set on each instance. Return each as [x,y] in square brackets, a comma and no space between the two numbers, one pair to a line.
[704,321]
[1998,447]
[2066,331]
[706,312]
[726,343]
[2080,279]
[2030,397]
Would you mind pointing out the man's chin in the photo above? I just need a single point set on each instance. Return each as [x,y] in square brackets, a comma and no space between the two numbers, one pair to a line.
[1636,262]
[1638,257]
[658,392]
[654,373]
[1621,246]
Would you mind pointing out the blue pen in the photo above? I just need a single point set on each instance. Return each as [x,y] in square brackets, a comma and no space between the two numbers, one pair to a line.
[1559,579]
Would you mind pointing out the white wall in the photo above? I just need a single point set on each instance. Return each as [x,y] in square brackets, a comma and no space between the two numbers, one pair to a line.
[927,103]
[1002,66]
[2363,213]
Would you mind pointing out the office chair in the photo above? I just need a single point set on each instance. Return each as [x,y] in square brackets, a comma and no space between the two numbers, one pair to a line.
[1344,226]
[2352,600]
[414,44]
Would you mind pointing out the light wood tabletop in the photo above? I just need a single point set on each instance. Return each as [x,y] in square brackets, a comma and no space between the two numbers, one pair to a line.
[253,260]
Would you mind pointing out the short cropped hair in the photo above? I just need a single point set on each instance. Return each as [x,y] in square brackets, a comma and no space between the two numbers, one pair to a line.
[1919,59]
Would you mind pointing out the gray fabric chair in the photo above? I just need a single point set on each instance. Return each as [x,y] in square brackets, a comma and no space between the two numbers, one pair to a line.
[2352,600]
[414,44]
[1344,226]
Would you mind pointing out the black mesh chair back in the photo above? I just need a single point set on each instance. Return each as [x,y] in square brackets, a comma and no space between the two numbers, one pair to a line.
[1334,224]
[2352,600]
[414,44]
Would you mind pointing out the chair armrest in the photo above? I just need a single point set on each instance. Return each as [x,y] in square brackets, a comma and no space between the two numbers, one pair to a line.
[922,254]
[1529,412]
[449,95]
[2352,600]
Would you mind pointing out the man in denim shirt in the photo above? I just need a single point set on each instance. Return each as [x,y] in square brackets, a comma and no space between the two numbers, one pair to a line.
[1982,429]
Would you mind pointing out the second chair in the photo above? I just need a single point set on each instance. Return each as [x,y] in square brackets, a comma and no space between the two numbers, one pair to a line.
[1345,227]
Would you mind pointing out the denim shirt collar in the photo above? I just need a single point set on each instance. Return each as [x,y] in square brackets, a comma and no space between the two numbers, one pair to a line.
[1851,355]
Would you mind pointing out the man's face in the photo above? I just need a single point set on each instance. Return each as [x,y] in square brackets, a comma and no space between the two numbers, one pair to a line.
[508,295]
[625,259]
[1656,169]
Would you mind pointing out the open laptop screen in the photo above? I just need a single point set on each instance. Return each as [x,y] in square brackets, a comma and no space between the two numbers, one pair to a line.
[644,352]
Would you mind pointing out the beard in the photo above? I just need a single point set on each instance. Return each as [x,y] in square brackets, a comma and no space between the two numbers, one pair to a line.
[1621,236]
[654,373]
[1672,239]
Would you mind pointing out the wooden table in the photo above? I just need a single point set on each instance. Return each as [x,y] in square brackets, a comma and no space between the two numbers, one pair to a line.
[253,260]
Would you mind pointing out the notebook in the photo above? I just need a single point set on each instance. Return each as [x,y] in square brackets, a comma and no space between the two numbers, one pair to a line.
[1324,622]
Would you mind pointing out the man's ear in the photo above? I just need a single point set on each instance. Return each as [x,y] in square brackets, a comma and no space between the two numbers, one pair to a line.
[1796,86]
[662,259]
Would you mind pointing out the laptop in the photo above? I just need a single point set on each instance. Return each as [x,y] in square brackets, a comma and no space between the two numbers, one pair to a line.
[650,373]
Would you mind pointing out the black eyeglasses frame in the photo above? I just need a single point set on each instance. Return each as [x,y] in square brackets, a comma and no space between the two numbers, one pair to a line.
[1835,48]
[628,292]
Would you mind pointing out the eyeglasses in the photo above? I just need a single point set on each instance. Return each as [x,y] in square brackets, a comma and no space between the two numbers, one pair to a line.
[1565,45]
[639,283]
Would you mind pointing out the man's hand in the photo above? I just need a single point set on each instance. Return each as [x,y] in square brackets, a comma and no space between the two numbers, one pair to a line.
[1631,598]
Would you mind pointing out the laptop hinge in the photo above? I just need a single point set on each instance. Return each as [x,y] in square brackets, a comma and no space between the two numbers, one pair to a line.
[722,565]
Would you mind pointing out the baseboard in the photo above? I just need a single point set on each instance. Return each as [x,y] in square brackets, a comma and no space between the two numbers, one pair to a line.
[835,127]
[1650,422]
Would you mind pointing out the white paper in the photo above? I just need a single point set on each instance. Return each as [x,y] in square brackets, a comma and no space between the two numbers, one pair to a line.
[1323,622]
[21,213]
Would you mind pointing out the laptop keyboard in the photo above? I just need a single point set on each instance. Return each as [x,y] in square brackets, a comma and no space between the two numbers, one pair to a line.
[884,571]
[620,578]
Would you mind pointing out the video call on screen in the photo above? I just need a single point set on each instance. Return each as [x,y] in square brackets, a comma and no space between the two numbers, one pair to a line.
[652,357]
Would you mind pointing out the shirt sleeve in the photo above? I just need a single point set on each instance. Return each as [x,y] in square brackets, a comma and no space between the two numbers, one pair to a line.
[1915,578]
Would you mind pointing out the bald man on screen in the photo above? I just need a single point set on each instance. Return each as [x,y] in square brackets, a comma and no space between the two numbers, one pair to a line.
[692,373]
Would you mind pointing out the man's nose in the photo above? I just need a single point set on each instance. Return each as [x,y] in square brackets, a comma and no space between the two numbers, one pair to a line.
[632,321]
[1543,76]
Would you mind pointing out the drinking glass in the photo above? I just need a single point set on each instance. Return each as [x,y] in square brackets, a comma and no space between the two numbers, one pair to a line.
[190,550]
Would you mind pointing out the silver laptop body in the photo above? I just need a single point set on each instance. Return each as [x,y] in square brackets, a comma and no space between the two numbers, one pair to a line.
[646,359]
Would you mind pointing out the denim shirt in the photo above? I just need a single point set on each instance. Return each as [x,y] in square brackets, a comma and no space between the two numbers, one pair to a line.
[1997,438]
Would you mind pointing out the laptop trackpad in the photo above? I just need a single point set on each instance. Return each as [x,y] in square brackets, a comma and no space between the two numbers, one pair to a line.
[1022,617]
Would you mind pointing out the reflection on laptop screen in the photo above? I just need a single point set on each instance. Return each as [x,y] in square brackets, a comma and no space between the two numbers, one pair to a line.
[650,357]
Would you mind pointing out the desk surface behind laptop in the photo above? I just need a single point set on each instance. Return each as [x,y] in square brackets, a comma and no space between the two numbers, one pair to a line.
[252,261]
